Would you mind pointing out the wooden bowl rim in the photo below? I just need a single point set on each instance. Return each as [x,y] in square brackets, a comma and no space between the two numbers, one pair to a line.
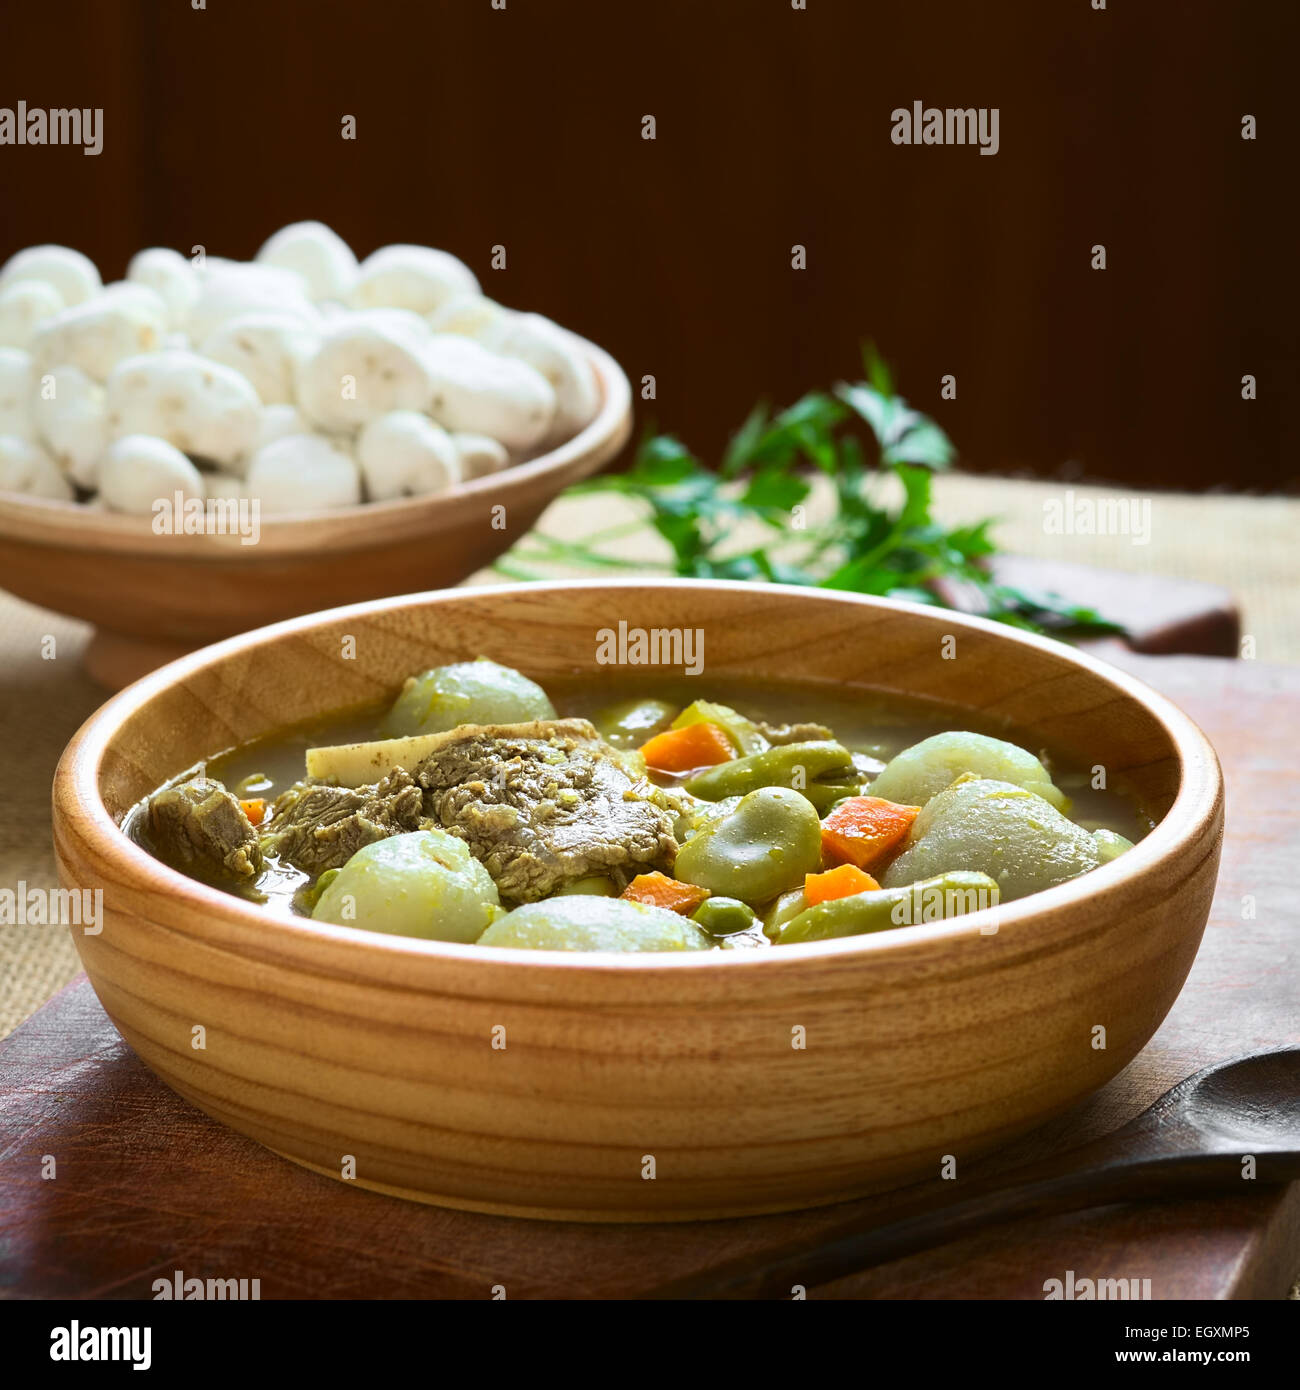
[76,796]
[55,523]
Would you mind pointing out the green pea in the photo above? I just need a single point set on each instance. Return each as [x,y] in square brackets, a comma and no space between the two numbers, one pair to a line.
[629,723]
[722,916]
[930,900]
[790,765]
[766,845]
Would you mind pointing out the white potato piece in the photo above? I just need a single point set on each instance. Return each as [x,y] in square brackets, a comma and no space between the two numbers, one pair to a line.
[404,454]
[410,277]
[139,470]
[276,422]
[470,315]
[359,371]
[202,407]
[916,774]
[170,276]
[303,473]
[97,334]
[233,291]
[72,274]
[996,828]
[70,415]
[425,884]
[479,455]
[1110,843]
[475,391]
[567,923]
[325,261]
[265,349]
[546,347]
[23,306]
[26,468]
[17,383]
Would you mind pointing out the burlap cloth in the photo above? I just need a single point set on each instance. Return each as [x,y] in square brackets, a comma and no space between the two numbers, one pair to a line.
[1245,544]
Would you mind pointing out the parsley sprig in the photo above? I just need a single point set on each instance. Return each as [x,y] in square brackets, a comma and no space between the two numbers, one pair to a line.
[856,435]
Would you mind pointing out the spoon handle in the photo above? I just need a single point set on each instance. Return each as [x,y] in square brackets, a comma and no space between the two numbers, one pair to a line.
[857,1244]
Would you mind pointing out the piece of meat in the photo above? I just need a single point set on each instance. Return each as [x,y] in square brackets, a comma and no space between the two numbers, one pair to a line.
[544,803]
[199,827]
[316,826]
[793,733]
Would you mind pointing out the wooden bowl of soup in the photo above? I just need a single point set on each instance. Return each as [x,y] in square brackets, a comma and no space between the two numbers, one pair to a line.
[152,596]
[695,1079]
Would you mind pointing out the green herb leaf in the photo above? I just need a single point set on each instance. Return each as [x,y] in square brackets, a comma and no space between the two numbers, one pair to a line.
[865,547]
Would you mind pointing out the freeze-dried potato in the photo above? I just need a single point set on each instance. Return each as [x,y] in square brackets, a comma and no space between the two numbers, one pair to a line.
[404,454]
[418,278]
[360,371]
[303,473]
[476,391]
[24,305]
[26,468]
[479,455]
[70,416]
[202,407]
[266,350]
[72,274]
[310,249]
[139,470]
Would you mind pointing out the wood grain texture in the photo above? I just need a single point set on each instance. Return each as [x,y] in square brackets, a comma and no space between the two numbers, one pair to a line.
[148,1184]
[153,597]
[325,1041]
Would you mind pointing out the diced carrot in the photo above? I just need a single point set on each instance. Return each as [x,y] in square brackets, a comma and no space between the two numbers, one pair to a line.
[841,882]
[685,749]
[254,809]
[864,830]
[658,890]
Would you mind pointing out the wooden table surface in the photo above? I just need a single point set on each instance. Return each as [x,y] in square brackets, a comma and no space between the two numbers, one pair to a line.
[145,1184]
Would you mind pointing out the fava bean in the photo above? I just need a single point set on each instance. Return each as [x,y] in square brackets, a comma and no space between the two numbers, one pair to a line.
[742,732]
[765,846]
[782,910]
[782,766]
[931,900]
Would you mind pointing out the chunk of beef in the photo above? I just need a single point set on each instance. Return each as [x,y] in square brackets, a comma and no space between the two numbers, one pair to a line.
[544,803]
[199,827]
[794,733]
[316,826]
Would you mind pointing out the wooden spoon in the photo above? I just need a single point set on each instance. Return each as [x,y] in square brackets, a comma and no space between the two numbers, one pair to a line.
[1194,1140]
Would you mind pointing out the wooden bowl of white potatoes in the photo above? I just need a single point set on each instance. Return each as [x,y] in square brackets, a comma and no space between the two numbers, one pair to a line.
[208,445]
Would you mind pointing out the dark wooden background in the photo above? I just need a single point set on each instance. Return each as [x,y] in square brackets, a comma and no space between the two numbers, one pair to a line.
[522,127]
